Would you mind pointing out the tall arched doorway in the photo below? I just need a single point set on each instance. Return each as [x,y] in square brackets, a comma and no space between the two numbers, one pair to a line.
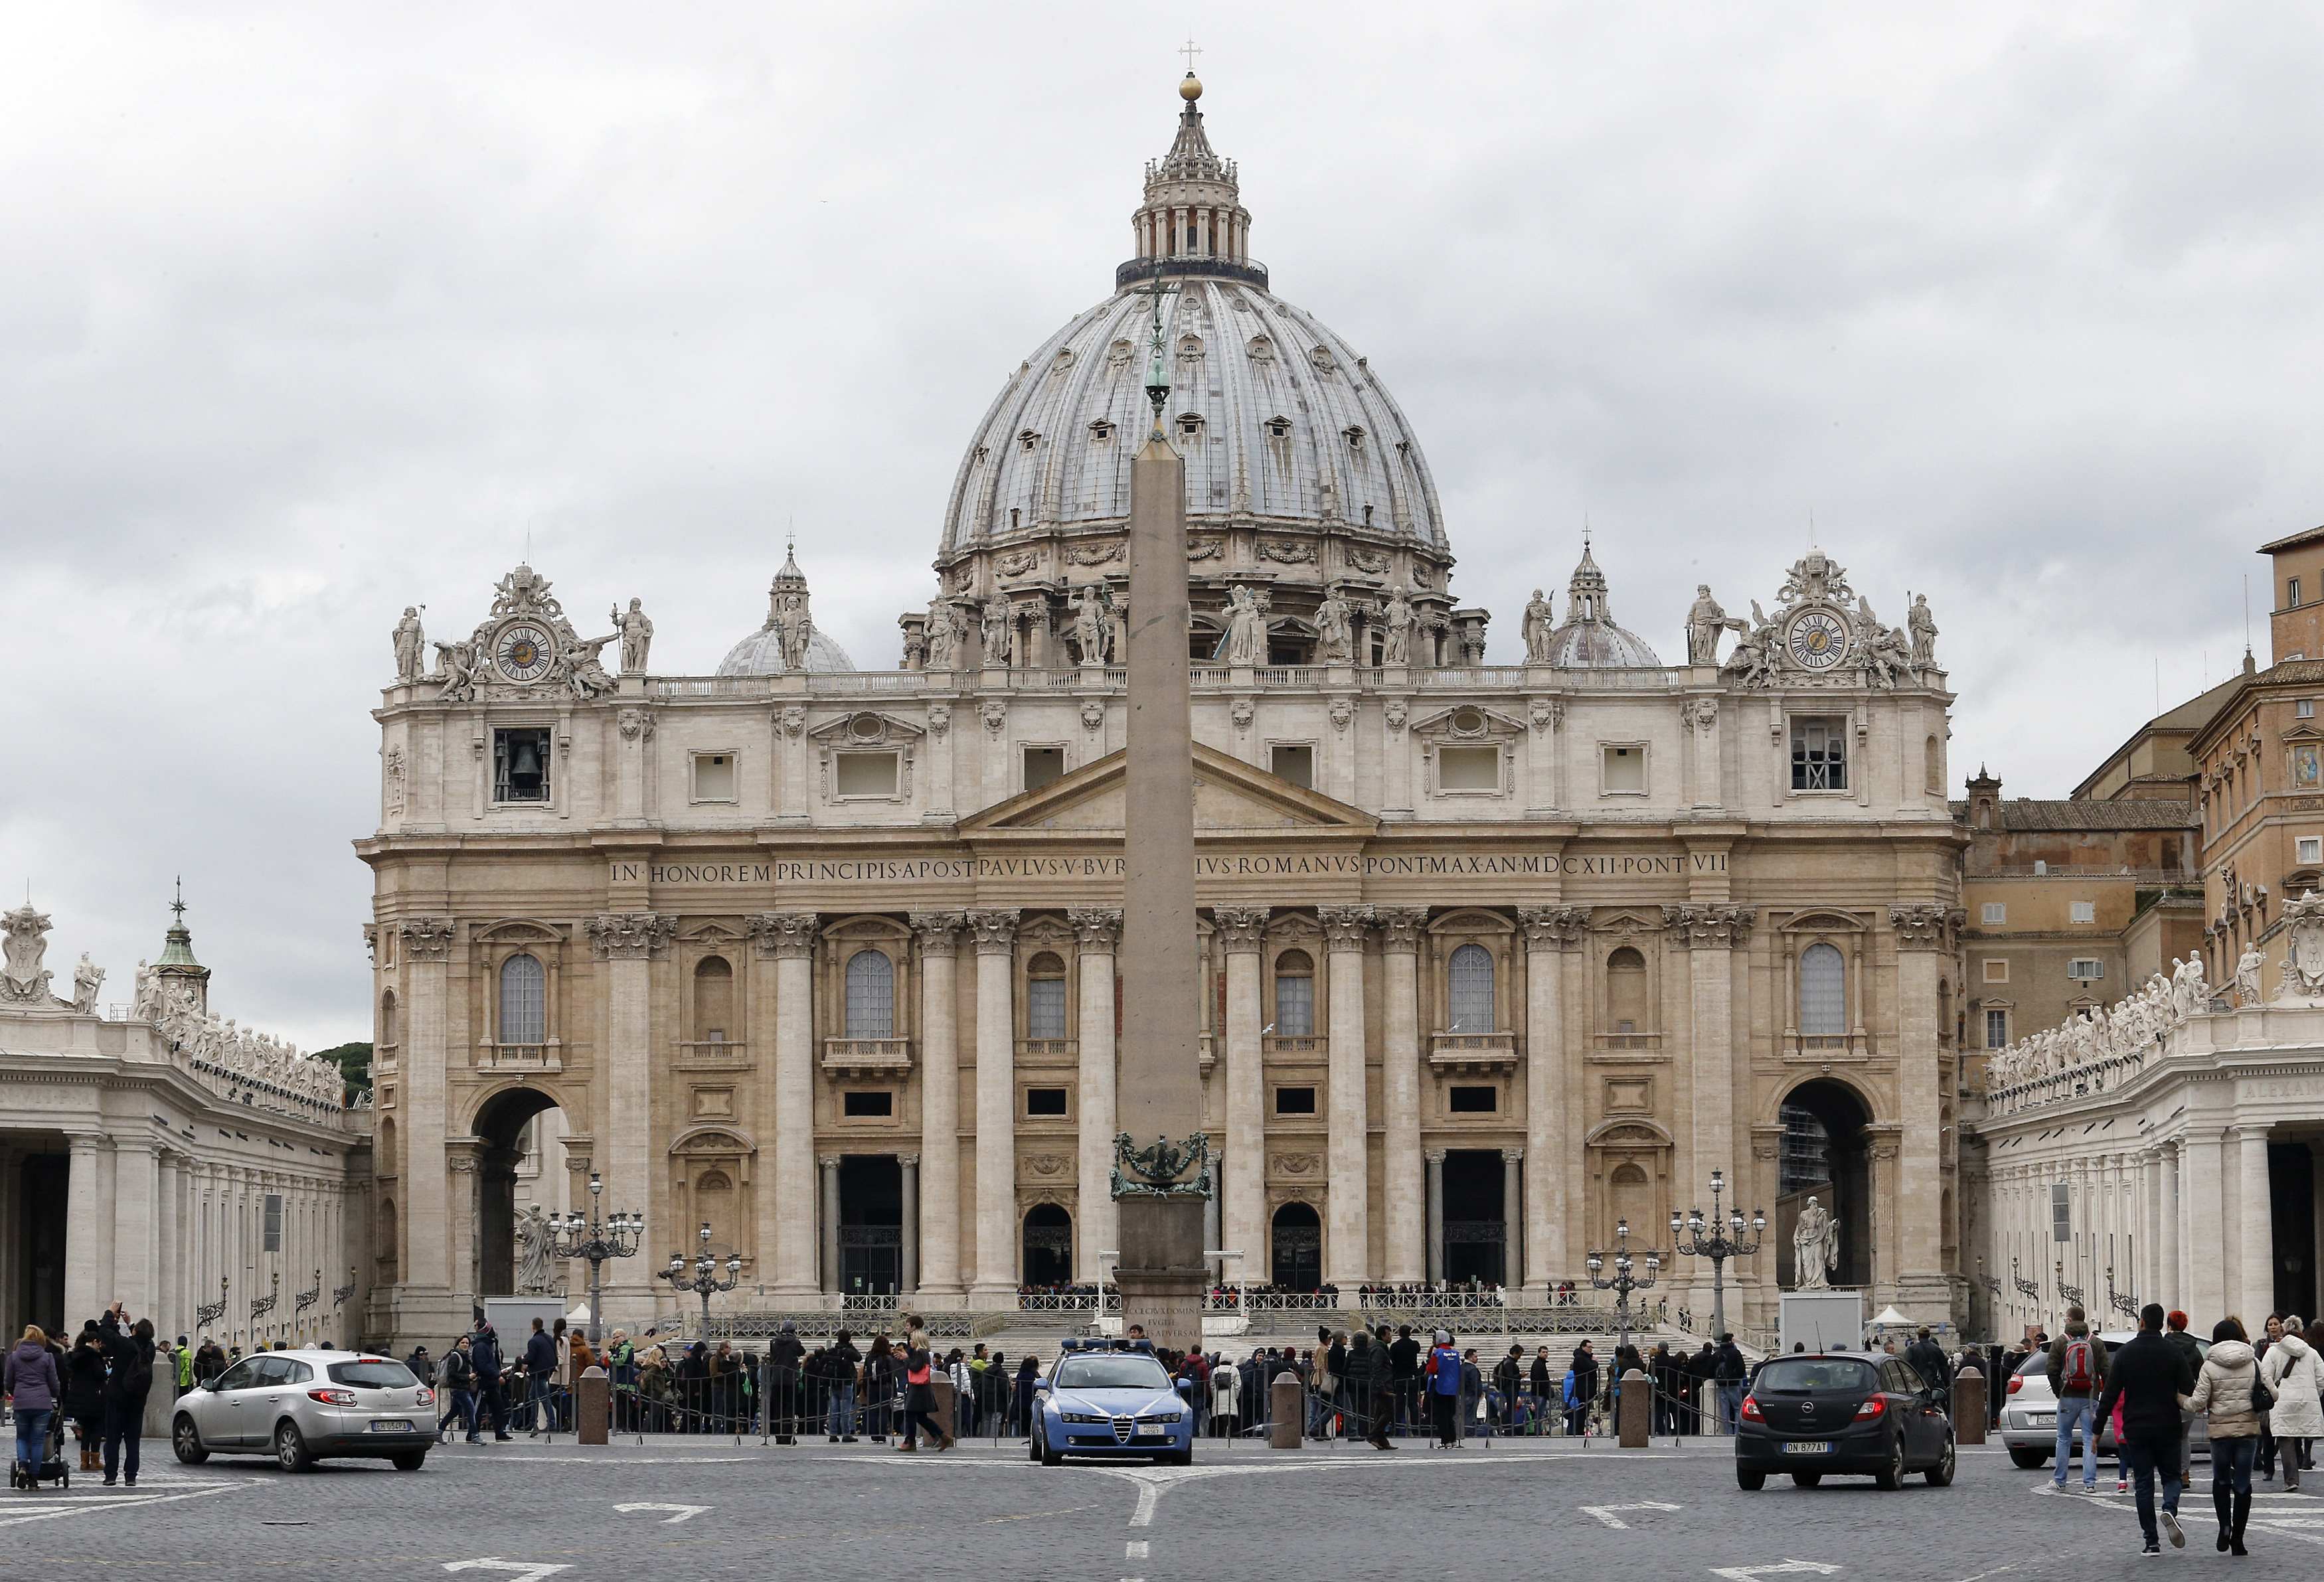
[1048,1245]
[522,1164]
[1298,1248]
[1476,1219]
[1826,1155]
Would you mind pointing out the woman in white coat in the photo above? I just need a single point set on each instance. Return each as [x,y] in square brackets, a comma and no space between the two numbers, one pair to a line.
[1222,1399]
[2294,1376]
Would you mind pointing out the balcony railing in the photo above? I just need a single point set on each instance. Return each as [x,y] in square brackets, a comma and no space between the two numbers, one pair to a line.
[1051,1047]
[519,1057]
[1292,1043]
[1457,1052]
[1629,1043]
[1462,676]
[717,1052]
[1820,1046]
[867,1057]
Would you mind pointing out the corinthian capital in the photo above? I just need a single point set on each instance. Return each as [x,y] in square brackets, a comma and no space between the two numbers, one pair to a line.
[1923,927]
[630,936]
[426,939]
[1239,928]
[994,930]
[1400,927]
[785,934]
[940,932]
[1554,927]
[1709,927]
[1096,928]
[1344,927]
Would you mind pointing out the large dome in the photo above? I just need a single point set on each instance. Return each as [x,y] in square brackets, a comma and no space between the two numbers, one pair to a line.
[1282,423]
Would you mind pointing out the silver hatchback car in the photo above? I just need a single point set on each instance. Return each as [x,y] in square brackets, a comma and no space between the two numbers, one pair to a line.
[298,1406]
[2029,1411]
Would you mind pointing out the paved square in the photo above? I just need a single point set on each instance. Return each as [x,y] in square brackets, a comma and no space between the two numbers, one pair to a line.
[707,1508]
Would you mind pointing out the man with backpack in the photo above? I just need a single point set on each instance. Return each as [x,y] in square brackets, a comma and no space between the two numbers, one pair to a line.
[2078,1372]
[1444,1378]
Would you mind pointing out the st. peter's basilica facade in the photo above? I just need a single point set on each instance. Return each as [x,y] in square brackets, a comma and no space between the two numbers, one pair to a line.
[1495,956]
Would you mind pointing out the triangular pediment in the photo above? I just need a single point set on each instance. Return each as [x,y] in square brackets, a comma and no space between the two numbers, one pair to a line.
[1230,797]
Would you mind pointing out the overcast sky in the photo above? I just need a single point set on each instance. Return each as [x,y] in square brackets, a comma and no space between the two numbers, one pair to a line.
[310,312]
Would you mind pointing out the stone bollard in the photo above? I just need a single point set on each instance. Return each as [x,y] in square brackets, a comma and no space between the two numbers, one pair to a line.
[1637,1414]
[942,1416]
[1284,1402]
[1968,1407]
[593,1405]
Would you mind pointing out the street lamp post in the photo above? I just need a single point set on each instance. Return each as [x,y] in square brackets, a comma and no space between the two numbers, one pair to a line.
[600,1240]
[704,1280]
[1624,1282]
[1726,1239]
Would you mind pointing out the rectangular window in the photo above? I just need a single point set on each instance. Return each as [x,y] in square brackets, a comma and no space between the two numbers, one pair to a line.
[1993,911]
[2061,1212]
[274,1222]
[2086,969]
[520,765]
[1295,1102]
[1295,762]
[1043,765]
[1473,768]
[1996,1029]
[867,1104]
[714,776]
[1820,755]
[2307,848]
[1044,1101]
[1997,969]
[864,773]
[2292,594]
[1045,1008]
[1473,1101]
[2082,912]
[2305,708]
[1625,771]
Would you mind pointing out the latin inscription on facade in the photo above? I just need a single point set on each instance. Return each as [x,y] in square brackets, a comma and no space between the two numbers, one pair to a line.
[1291,865]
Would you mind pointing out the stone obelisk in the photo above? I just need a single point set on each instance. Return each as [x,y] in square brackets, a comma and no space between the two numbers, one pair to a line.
[1161,1272]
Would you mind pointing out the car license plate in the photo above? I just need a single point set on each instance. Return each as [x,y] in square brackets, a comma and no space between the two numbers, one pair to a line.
[2044,1419]
[1807,1447]
[391,1425]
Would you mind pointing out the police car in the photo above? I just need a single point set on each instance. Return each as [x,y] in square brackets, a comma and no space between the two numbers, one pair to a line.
[1111,1398]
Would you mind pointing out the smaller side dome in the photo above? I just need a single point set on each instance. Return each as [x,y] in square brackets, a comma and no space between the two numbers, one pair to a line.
[1589,639]
[789,641]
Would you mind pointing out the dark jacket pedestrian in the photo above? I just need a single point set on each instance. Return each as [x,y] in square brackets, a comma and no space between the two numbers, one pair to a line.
[2148,1376]
[129,1379]
[83,1405]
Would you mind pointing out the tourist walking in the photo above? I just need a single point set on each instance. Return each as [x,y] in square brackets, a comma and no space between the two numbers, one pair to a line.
[840,1363]
[783,1358]
[459,1376]
[129,1379]
[29,1379]
[2149,1377]
[2227,1393]
[2293,1375]
[1581,1389]
[1443,1379]
[1377,1374]
[539,1368]
[1728,1373]
[2271,1334]
[492,1400]
[920,1400]
[2078,1372]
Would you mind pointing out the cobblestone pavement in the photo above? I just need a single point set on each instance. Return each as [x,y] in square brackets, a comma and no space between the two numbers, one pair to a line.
[694,1507]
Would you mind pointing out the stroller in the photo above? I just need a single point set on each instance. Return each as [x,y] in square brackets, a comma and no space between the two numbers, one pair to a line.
[51,1467]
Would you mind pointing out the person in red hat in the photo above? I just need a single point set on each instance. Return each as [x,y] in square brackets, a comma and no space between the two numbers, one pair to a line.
[2184,1345]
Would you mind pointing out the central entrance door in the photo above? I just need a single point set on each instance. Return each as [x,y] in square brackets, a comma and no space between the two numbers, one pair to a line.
[871,1225]
[1298,1249]
[1476,1221]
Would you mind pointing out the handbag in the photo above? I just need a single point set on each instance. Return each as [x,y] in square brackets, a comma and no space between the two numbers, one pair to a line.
[2262,1399]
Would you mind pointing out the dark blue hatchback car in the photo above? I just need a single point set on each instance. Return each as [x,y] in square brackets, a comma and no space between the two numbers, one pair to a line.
[1848,1413]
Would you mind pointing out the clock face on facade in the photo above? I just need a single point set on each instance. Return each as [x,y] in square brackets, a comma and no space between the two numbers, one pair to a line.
[1817,639]
[522,651]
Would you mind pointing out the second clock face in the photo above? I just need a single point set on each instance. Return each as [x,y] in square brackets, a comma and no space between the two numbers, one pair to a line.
[1817,639]
[523,652]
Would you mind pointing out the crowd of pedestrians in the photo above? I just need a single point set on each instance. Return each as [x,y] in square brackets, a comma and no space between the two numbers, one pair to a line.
[98,1385]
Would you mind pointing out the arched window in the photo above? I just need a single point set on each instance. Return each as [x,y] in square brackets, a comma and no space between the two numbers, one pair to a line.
[1294,995]
[1823,991]
[1626,991]
[524,1007]
[870,995]
[1471,971]
[1045,996]
[713,999]
[387,1019]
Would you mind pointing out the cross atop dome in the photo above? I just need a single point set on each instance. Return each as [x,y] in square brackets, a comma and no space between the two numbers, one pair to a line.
[1191,221]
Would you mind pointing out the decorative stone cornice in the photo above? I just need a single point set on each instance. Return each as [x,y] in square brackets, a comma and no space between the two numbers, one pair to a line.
[1344,927]
[940,932]
[1554,927]
[426,939]
[1924,927]
[1709,927]
[371,939]
[1096,928]
[993,930]
[1400,927]
[784,934]
[631,936]
[1239,928]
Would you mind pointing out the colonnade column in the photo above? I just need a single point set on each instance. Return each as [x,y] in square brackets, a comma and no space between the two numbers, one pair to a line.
[1098,933]
[789,938]
[2254,1216]
[908,1263]
[939,1175]
[2171,1276]
[628,943]
[1435,1215]
[464,1176]
[425,1259]
[995,935]
[1550,932]
[135,1165]
[1239,930]
[85,1224]
[2201,1174]
[1400,1093]
[827,1204]
[1348,1129]
[1512,1225]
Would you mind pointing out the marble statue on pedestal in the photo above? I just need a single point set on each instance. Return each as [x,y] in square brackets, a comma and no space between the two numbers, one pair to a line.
[943,635]
[410,645]
[1539,622]
[533,1249]
[1246,629]
[2249,967]
[1335,639]
[1924,628]
[1397,619]
[88,978]
[1815,1248]
[1704,622]
[637,636]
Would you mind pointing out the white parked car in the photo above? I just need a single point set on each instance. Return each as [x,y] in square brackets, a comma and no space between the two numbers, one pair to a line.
[298,1406]
[2029,1411]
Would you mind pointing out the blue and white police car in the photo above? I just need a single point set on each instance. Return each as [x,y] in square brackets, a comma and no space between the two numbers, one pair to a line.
[1111,1398]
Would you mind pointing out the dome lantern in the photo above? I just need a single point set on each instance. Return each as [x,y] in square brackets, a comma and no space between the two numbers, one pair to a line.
[789,641]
